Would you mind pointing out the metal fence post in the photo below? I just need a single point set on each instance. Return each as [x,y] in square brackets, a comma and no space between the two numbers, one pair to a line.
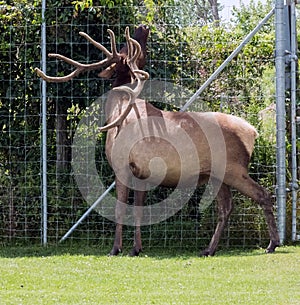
[44,130]
[294,62]
[280,118]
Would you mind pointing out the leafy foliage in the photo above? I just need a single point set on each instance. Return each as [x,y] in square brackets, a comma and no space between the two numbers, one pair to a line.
[181,49]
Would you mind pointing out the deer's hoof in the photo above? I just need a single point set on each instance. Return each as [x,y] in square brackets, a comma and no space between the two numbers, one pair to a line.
[272,246]
[135,252]
[115,252]
[206,253]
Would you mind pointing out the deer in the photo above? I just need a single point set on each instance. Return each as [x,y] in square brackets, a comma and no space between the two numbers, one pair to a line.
[218,149]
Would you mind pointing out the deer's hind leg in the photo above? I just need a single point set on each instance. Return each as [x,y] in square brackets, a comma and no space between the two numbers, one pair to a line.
[250,188]
[224,201]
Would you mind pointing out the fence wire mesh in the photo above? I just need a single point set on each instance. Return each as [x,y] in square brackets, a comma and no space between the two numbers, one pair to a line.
[245,88]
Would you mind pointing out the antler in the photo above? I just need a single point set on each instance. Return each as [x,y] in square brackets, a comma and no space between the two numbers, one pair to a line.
[111,57]
[134,51]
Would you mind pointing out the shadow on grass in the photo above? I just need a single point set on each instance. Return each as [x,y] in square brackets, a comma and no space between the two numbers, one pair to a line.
[53,250]
[71,248]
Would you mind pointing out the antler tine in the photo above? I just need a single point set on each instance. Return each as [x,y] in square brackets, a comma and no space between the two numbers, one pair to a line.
[113,42]
[129,44]
[118,120]
[136,53]
[57,79]
[99,46]
[111,57]
[134,49]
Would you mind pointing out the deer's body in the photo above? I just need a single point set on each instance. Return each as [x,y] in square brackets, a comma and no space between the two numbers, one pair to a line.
[239,137]
[170,148]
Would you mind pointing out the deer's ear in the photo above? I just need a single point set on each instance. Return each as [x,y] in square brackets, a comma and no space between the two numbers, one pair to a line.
[108,72]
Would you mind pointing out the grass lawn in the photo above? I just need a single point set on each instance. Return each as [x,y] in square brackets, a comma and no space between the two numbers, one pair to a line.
[67,275]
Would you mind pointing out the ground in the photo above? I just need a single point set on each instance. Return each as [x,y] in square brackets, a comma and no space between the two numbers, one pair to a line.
[71,274]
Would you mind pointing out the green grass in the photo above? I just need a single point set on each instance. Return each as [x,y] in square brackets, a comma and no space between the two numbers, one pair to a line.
[66,275]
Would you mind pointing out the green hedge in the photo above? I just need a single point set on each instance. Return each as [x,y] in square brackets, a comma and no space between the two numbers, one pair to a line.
[179,52]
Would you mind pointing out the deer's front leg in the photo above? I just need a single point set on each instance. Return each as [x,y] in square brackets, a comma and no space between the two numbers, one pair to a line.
[139,197]
[120,210]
